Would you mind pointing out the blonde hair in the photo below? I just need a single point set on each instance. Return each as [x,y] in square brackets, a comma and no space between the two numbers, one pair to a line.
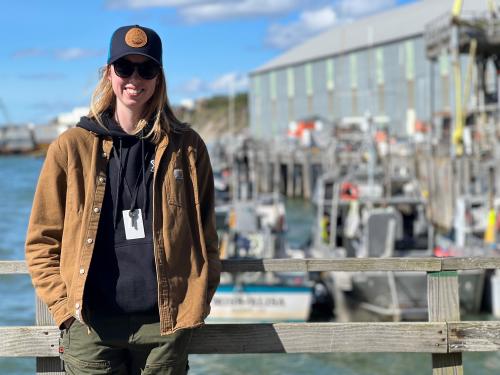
[157,109]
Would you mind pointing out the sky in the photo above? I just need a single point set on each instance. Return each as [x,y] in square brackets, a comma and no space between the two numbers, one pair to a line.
[52,50]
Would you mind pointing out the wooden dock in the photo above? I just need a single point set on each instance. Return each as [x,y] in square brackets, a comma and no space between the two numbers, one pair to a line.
[444,336]
[261,167]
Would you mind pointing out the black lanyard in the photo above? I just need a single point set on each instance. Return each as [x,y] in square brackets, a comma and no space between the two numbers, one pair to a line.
[133,196]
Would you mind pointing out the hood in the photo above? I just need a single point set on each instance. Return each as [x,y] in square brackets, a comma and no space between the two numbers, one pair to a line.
[112,128]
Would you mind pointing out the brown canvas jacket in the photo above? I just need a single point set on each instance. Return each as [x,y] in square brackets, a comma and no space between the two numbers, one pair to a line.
[65,217]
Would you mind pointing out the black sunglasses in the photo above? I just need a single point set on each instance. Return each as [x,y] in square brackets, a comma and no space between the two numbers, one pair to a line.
[125,68]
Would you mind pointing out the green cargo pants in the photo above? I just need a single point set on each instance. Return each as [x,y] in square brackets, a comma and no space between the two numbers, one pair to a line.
[121,345]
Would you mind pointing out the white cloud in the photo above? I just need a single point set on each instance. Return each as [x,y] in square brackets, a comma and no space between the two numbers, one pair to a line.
[225,84]
[187,103]
[230,82]
[75,53]
[136,4]
[60,54]
[223,10]
[310,23]
[28,53]
[197,11]
[194,86]
[357,8]
[43,76]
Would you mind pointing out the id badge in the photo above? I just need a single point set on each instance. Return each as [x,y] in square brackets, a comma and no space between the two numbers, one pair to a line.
[134,226]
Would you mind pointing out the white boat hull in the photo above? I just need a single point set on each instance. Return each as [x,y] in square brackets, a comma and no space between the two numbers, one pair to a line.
[260,303]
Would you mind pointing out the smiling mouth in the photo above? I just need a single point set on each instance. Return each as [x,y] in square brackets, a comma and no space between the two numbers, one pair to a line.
[134,92]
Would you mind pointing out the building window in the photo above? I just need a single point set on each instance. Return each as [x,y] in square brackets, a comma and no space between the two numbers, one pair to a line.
[353,65]
[309,87]
[444,70]
[258,105]
[353,68]
[379,75]
[330,85]
[410,60]
[330,80]
[379,65]
[290,78]
[273,93]
[410,72]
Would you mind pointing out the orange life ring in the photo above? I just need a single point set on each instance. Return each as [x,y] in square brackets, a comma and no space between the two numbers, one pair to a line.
[349,191]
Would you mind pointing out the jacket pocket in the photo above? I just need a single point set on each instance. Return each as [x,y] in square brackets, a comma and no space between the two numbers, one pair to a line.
[175,192]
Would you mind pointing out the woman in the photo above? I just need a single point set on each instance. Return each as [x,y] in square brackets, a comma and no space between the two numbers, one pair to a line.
[121,243]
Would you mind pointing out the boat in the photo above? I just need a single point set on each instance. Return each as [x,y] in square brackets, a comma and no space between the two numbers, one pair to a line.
[287,298]
[255,229]
[357,218]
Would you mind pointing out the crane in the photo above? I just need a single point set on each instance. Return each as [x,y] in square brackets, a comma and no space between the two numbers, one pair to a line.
[457,8]
[490,232]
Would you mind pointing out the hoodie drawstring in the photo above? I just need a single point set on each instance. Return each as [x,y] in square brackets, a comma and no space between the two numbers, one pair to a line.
[143,176]
[133,195]
[118,185]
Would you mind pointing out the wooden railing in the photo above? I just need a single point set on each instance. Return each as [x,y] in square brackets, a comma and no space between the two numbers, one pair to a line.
[444,335]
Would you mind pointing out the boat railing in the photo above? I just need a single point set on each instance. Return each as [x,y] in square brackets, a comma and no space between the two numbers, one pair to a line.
[444,335]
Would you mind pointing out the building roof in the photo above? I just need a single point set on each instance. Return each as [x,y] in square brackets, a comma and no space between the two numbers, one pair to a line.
[398,23]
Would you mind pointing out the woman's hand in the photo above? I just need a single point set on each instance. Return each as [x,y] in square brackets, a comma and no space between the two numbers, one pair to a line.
[68,322]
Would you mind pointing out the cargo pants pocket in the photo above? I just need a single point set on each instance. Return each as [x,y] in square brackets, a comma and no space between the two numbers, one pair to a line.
[83,354]
[171,356]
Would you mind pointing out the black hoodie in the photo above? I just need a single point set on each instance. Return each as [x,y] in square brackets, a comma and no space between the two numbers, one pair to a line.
[122,275]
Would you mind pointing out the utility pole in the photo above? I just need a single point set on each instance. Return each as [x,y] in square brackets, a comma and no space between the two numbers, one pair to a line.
[5,113]
[231,107]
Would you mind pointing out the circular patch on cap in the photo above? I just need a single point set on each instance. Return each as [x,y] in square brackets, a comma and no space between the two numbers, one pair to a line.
[136,38]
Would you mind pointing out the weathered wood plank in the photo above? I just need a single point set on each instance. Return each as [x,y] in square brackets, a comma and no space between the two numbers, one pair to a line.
[46,365]
[474,336]
[13,266]
[262,265]
[29,341]
[320,338]
[470,263]
[42,313]
[444,306]
[339,265]
[49,366]
[375,264]
[265,338]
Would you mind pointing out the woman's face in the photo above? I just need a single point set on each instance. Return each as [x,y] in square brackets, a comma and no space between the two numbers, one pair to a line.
[132,92]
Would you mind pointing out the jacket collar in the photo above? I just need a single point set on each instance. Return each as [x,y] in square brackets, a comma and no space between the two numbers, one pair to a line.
[160,150]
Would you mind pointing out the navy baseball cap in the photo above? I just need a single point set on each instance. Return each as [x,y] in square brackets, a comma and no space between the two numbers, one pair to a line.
[135,40]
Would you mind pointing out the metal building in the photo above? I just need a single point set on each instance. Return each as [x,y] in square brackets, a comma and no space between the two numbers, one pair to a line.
[376,64]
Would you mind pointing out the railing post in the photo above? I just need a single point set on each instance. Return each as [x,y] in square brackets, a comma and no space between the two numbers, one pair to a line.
[444,306]
[46,365]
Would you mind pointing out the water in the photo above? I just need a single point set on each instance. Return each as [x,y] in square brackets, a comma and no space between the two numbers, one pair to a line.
[17,184]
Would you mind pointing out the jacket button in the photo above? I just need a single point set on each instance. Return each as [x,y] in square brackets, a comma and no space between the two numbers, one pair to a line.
[102,179]
[97,210]
[82,271]
[77,305]
[104,155]
[90,240]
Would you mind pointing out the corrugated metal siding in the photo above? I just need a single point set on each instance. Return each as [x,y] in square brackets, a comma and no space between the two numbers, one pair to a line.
[300,92]
[266,107]
[401,22]
[320,99]
[356,87]
[282,102]
[342,85]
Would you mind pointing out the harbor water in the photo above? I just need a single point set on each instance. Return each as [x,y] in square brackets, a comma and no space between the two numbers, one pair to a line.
[18,176]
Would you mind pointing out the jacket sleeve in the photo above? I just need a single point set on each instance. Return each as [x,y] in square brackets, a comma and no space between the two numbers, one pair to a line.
[207,206]
[44,236]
